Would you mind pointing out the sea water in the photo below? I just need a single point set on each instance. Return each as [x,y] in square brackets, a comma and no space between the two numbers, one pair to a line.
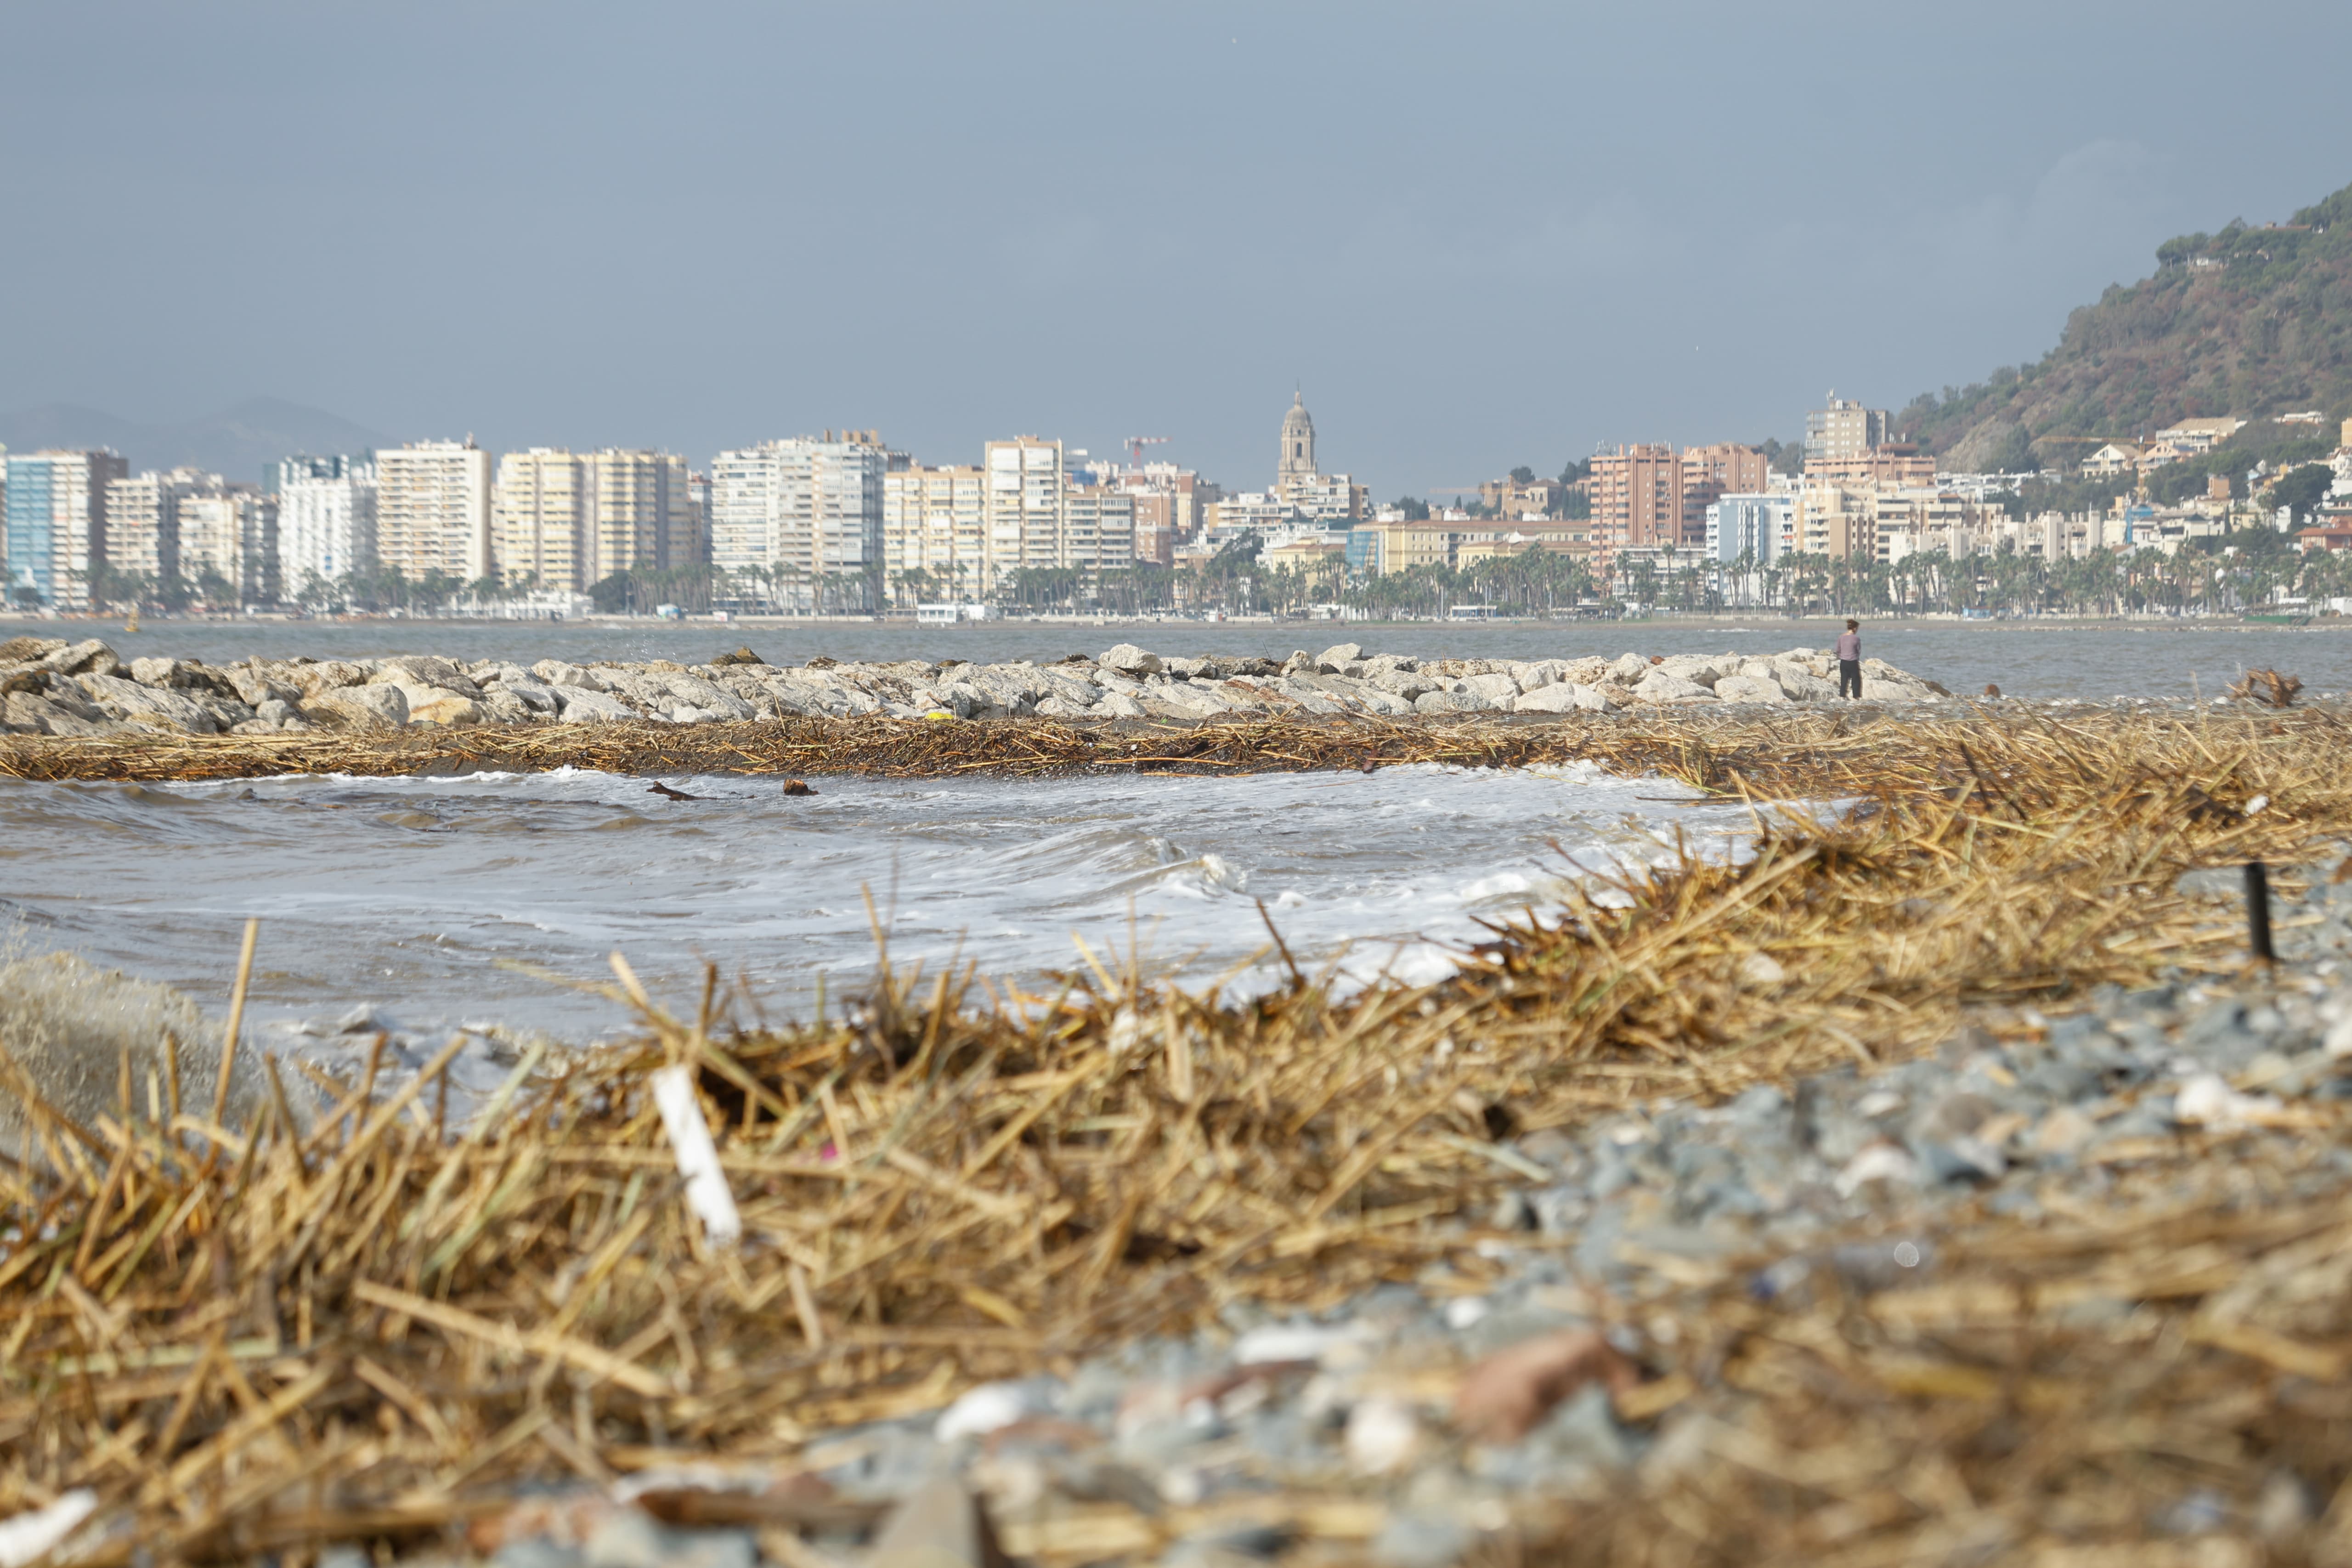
[490,899]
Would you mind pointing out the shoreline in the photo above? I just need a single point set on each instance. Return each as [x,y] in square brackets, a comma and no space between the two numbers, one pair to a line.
[1790,754]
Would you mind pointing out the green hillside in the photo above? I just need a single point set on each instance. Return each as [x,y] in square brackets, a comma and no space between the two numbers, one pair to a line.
[2247,321]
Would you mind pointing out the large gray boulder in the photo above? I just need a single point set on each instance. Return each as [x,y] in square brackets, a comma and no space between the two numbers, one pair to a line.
[92,657]
[1451,702]
[555,672]
[1561,696]
[425,670]
[330,675]
[1659,687]
[32,714]
[436,705]
[581,706]
[1130,661]
[1497,689]
[1749,689]
[359,707]
[155,707]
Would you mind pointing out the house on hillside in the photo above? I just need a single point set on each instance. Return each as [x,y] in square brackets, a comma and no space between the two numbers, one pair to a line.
[2188,438]
[2332,533]
[2115,457]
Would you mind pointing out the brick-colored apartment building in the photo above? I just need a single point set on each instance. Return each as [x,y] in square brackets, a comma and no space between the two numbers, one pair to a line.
[1650,494]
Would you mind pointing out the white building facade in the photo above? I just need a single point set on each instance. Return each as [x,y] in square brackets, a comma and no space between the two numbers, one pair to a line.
[326,524]
[432,510]
[1026,481]
[798,524]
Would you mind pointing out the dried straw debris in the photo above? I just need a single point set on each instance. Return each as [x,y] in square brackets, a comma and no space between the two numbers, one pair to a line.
[267,1336]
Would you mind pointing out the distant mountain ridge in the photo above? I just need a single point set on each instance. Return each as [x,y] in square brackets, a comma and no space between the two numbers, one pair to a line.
[234,443]
[2249,321]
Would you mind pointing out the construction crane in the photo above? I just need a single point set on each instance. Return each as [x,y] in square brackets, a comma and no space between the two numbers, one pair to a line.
[1135,446]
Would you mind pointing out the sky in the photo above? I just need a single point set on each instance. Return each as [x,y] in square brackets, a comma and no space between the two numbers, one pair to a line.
[1474,235]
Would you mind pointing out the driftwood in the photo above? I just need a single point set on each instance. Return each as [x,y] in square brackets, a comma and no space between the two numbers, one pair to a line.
[2267,686]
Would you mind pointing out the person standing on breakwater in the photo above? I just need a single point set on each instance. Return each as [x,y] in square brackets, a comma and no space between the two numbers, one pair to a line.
[1849,658]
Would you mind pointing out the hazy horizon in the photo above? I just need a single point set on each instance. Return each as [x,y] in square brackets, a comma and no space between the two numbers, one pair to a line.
[1475,236]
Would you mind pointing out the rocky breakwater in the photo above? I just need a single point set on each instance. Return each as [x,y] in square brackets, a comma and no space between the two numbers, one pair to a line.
[53,688]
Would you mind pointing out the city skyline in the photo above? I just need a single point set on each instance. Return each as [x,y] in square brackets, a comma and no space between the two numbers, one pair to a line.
[1475,241]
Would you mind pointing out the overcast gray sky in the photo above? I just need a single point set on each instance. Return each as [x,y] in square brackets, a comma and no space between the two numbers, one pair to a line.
[1478,235]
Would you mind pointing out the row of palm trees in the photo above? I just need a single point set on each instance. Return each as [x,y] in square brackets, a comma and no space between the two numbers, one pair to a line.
[2247,569]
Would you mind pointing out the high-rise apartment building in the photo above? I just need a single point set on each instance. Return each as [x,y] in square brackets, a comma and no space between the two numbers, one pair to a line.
[1155,527]
[143,530]
[1755,527]
[804,514]
[1189,496]
[1710,473]
[1844,429]
[1637,494]
[432,510]
[935,522]
[326,521]
[228,543]
[1888,463]
[1097,531]
[540,511]
[1025,490]
[643,516]
[565,521]
[55,510]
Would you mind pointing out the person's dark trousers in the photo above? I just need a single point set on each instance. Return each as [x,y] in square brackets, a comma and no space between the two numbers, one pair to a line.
[1850,678]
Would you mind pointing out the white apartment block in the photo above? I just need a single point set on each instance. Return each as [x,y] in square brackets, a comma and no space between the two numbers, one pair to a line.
[1758,527]
[540,509]
[1845,429]
[143,525]
[934,520]
[1025,488]
[1097,530]
[642,519]
[1261,511]
[797,513]
[567,520]
[228,543]
[432,510]
[55,503]
[326,525]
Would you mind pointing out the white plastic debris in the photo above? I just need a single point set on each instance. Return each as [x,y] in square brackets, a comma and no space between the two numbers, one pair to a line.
[1465,1311]
[2256,803]
[980,1411]
[30,1536]
[707,1193]
[2206,1101]
[1383,1436]
[1297,1342]
[1889,1163]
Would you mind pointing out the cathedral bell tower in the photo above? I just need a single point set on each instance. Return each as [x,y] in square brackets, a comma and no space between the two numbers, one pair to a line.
[1298,446]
